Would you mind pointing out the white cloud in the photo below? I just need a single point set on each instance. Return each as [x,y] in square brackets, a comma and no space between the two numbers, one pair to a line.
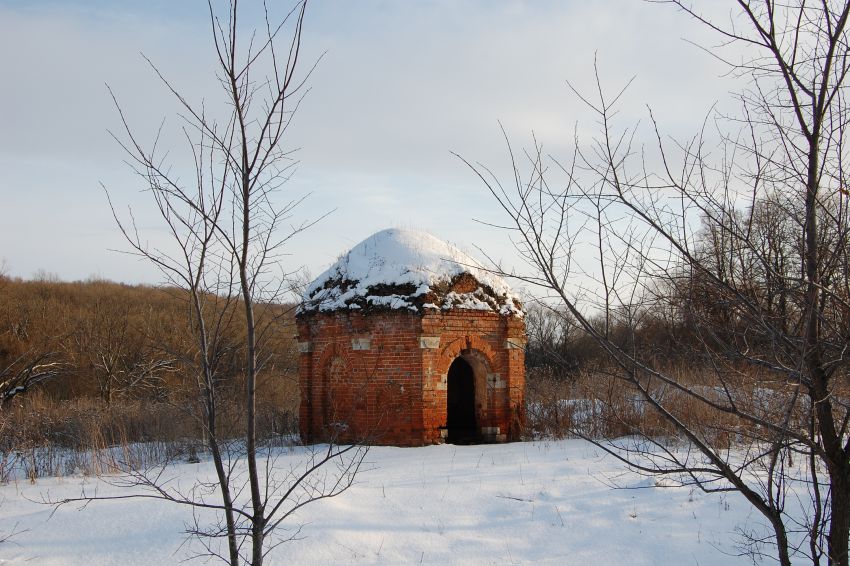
[401,85]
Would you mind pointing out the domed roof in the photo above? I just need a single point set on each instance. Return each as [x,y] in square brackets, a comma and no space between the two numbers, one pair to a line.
[408,270]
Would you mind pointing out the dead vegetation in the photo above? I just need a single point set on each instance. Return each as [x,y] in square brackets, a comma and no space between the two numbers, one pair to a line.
[114,382]
[594,403]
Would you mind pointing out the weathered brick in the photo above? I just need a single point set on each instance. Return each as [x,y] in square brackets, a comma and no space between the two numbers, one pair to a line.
[381,377]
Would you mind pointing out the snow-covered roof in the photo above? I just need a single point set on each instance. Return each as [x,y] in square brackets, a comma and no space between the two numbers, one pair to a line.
[409,270]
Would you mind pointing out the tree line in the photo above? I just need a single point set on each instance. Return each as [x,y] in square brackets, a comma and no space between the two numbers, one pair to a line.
[114,342]
[733,242]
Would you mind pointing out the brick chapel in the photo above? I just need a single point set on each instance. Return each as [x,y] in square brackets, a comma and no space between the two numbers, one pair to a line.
[405,341]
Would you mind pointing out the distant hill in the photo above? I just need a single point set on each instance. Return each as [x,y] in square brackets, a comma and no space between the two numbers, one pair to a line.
[121,341]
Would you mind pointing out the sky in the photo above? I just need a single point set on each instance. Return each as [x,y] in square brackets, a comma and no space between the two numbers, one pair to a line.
[399,86]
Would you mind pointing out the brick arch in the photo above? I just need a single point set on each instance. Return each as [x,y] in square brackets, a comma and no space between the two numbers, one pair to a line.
[453,350]
[331,350]
[336,401]
[483,360]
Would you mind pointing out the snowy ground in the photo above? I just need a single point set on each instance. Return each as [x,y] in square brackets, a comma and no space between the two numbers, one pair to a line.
[544,502]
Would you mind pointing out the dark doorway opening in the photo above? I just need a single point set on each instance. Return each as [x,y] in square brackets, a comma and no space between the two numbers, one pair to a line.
[460,419]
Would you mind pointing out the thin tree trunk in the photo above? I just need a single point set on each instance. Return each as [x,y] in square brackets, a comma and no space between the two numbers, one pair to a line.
[839,525]
[209,400]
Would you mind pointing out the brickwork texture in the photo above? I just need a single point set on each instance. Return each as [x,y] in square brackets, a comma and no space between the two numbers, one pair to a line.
[381,377]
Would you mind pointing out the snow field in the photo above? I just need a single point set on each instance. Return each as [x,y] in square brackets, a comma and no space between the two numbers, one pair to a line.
[560,502]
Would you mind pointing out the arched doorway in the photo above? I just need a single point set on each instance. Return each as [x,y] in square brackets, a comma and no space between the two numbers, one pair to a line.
[460,414]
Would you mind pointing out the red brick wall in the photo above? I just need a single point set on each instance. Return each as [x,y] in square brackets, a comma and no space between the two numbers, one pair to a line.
[381,377]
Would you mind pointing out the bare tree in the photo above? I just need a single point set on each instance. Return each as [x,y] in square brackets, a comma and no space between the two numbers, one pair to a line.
[761,287]
[118,355]
[26,372]
[550,336]
[19,377]
[228,229]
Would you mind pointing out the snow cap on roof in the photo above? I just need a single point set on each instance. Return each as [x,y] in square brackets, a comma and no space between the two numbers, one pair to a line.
[408,270]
